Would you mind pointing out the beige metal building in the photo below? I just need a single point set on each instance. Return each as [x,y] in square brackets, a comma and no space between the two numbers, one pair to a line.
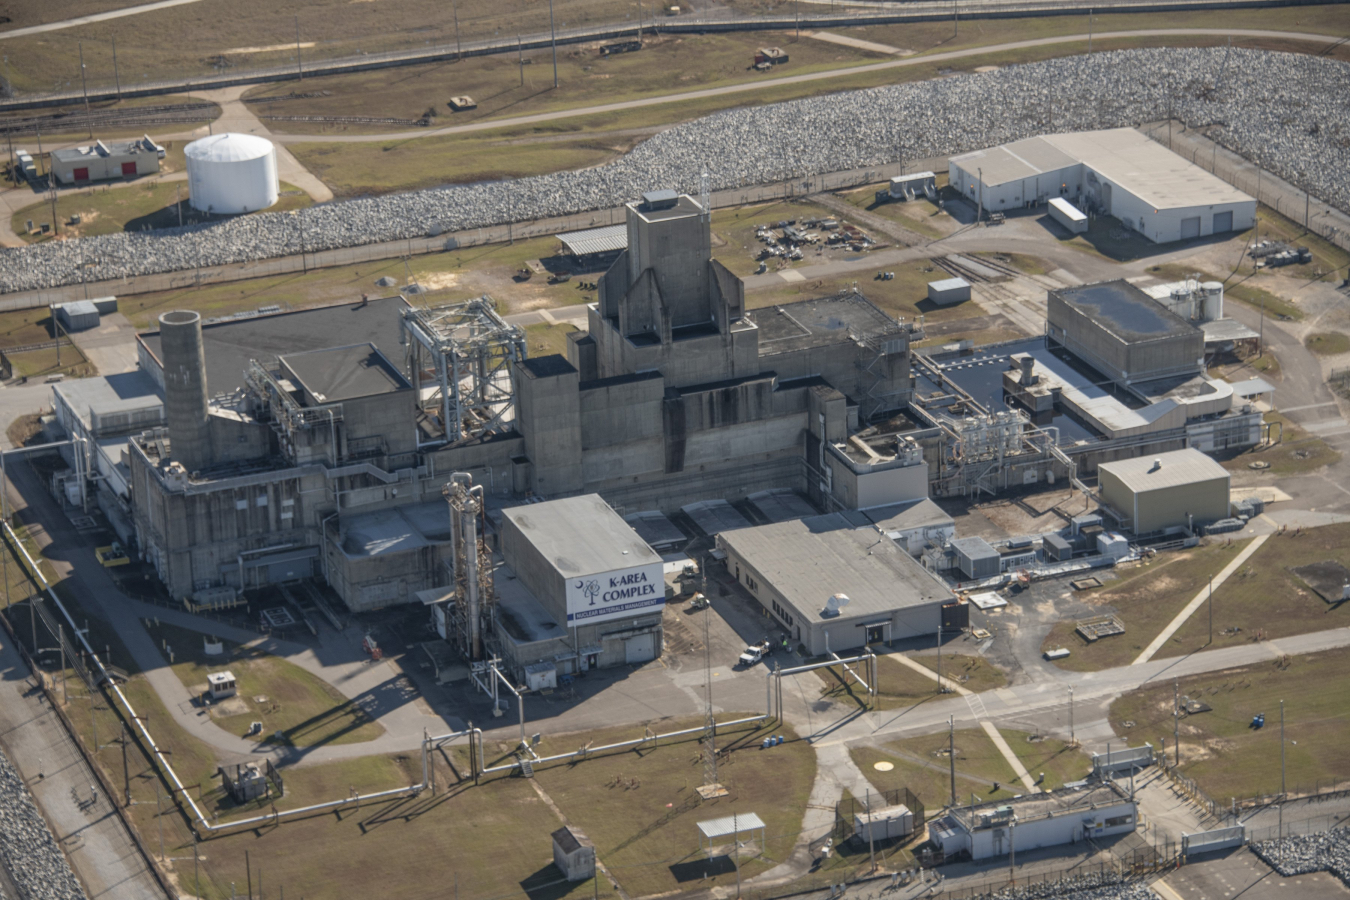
[1150,493]
[104,160]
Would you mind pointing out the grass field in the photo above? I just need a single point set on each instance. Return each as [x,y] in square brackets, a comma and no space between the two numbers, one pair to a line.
[544,339]
[525,150]
[47,362]
[1220,749]
[296,708]
[1328,259]
[921,764]
[640,807]
[1328,343]
[1265,595]
[139,205]
[666,64]
[918,215]
[1145,600]
[1298,452]
[974,673]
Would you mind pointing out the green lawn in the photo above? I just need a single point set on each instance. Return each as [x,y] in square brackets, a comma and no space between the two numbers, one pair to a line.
[1145,600]
[1265,595]
[974,673]
[544,339]
[139,205]
[1328,343]
[306,710]
[1220,749]
[918,215]
[46,362]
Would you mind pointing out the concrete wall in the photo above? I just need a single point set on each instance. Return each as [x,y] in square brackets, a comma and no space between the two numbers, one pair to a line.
[548,415]
[373,582]
[849,368]
[877,487]
[1122,361]
[1149,511]
[690,361]
[676,251]
[533,569]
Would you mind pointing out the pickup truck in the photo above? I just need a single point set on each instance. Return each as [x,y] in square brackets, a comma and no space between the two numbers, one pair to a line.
[755,652]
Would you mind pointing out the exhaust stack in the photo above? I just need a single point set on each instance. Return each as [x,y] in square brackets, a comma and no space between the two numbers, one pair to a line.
[185,404]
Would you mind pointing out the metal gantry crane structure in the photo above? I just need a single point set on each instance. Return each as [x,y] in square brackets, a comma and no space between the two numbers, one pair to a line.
[459,359]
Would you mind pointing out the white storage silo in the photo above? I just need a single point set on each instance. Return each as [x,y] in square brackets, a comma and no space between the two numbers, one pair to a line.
[232,173]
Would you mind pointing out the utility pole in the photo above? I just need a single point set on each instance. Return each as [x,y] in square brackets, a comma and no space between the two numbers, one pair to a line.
[553,37]
[126,772]
[1176,721]
[159,816]
[1073,742]
[1307,204]
[871,844]
[12,175]
[1211,609]
[454,10]
[979,211]
[84,82]
[951,753]
[51,184]
[1089,31]
[939,668]
[117,79]
[61,634]
[178,202]
[1282,768]
[299,68]
[956,19]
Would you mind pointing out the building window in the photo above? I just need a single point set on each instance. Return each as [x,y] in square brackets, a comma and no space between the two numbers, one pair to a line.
[1118,820]
[781,613]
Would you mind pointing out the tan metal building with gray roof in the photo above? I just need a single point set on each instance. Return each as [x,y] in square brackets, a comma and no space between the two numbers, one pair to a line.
[1183,488]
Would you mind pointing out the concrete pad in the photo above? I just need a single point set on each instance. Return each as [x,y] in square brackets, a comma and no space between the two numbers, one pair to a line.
[856,43]
[1268,494]
[791,276]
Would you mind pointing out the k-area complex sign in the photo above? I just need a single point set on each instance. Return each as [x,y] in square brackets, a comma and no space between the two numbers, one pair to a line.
[615,595]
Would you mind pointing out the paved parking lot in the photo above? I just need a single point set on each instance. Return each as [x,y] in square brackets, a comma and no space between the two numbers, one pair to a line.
[1241,874]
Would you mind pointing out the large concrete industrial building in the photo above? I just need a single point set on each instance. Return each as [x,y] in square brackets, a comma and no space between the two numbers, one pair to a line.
[332,460]
[1116,172]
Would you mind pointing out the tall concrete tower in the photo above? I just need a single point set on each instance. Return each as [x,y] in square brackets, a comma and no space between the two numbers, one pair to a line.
[185,404]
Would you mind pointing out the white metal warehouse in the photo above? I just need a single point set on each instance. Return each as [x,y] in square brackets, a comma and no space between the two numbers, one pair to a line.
[1117,172]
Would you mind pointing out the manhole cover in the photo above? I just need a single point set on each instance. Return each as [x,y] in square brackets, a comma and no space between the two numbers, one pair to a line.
[883,766]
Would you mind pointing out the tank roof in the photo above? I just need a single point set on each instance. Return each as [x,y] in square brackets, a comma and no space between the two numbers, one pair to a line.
[228,147]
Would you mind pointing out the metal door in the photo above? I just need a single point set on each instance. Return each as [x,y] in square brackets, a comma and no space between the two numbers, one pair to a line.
[640,648]
[1106,198]
[1223,222]
[128,168]
[80,174]
[1190,228]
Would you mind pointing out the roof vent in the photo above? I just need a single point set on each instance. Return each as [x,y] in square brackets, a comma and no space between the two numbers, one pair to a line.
[1157,464]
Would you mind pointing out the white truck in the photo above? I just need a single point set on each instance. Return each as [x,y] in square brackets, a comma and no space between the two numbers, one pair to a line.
[755,652]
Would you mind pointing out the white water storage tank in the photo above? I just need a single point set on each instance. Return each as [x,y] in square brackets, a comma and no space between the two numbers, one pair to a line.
[232,173]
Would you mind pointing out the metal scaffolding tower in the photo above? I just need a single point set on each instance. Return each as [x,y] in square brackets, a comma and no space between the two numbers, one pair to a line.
[459,360]
[475,600]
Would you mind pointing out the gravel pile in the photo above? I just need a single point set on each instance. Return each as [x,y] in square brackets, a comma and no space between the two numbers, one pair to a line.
[1290,112]
[1300,854]
[1104,886]
[27,849]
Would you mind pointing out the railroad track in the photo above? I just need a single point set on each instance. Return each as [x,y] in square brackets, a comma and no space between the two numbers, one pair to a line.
[146,115]
[347,120]
[992,292]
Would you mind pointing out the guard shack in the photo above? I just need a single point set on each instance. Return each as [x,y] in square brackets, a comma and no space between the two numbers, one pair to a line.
[220,685]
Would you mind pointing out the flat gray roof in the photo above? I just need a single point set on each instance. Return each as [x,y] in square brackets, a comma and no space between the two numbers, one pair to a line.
[974,547]
[715,516]
[106,394]
[230,344]
[581,535]
[906,516]
[1041,805]
[1125,311]
[394,530]
[781,504]
[654,528]
[345,373]
[807,560]
[813,323]
[1179,468]
[683,207]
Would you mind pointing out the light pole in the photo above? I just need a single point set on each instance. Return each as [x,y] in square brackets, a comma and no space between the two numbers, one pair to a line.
[553,37]
[1072,741]
[1281,768]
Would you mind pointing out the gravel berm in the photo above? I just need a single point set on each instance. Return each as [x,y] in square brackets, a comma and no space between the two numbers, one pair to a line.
[1289,112]
[28,851]
[1300,854]
[1103,886]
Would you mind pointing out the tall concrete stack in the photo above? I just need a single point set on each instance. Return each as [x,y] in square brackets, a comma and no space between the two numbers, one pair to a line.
[185,403]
